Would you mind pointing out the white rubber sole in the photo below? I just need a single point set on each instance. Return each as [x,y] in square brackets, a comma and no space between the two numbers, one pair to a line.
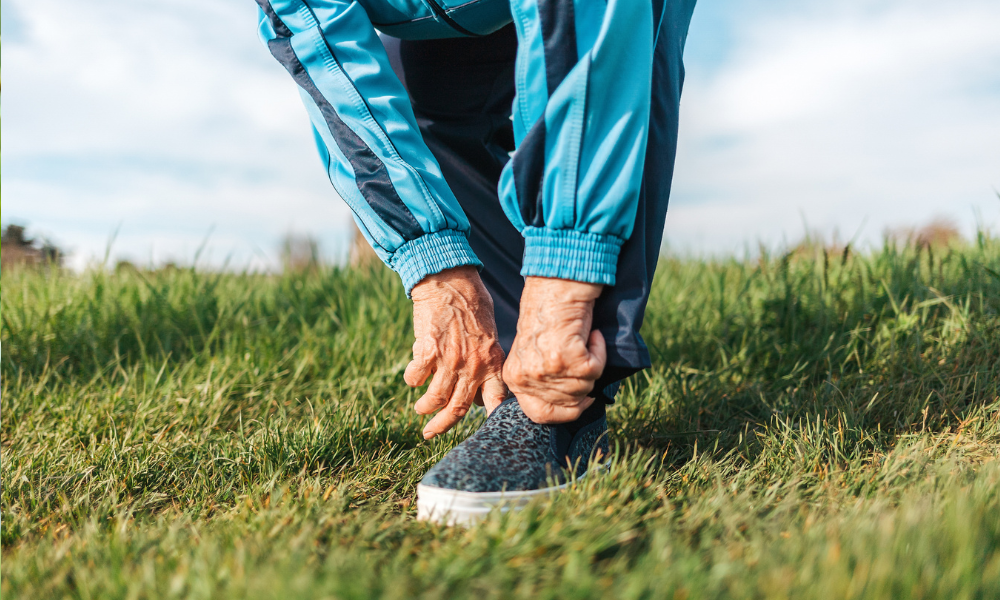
[452,507]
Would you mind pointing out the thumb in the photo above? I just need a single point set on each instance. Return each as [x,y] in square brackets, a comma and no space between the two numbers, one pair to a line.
[494,393]
[598,350]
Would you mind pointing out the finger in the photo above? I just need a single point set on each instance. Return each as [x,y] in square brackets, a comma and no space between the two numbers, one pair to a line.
[494,393]
[438,393]
[457,408]
[546,413]
[598,350]
[571,390]
[417,371]
[464,393]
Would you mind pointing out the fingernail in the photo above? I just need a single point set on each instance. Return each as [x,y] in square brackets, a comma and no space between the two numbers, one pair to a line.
[428,435]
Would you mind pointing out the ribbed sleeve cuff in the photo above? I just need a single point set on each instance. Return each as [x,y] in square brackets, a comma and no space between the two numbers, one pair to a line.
[568,254]
[432,253]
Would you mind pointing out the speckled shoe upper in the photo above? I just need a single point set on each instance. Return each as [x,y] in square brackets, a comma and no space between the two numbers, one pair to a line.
[510,452]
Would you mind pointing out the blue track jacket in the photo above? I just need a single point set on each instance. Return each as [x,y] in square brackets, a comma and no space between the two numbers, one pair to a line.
[580,116]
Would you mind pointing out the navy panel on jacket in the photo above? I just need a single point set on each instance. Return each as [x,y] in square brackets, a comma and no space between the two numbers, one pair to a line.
[370,174]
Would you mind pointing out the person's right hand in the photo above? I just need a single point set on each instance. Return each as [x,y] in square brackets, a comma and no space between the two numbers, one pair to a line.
[456,341]
[557,357]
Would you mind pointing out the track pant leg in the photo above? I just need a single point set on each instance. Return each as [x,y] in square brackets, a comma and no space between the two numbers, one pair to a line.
[461,90]
[620,309]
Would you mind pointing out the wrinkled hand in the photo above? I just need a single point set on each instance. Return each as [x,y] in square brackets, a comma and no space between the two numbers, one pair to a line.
[556,358]
[456,340]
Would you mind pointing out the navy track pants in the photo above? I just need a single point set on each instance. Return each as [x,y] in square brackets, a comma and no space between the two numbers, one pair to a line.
[461,90]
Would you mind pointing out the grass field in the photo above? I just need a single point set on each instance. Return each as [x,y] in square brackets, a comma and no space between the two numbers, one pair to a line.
[816,425]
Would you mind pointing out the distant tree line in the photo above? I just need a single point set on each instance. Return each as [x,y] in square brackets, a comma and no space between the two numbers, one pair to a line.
[16,249]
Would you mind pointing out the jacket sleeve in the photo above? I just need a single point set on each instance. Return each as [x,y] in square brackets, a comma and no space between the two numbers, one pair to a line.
[368,136]
[581,116]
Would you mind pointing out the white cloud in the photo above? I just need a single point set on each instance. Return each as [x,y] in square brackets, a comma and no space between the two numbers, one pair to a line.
[867,113]
[166,119]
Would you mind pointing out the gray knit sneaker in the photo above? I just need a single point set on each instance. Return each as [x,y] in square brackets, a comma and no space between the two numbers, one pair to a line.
[509,461]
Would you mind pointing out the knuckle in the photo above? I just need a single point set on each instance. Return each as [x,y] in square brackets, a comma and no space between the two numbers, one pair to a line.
[517,378]
[434,399]
[535,369]
[580,370]
[511,370]
[421,346]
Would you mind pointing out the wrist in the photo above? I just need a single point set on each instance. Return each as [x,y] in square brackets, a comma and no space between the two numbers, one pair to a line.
[430,254]
[463,280]
[562,289]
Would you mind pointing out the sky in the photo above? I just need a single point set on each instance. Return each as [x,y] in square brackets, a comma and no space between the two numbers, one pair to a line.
[164,131]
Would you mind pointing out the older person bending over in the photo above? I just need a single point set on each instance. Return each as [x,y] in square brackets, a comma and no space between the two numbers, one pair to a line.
[511,160]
